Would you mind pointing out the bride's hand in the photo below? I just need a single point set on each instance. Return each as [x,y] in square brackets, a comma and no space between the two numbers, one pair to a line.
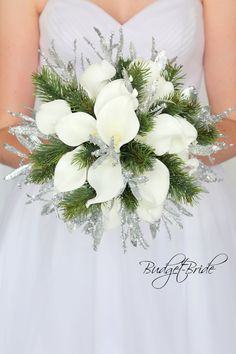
[6,157]
[19,42]
[228,129]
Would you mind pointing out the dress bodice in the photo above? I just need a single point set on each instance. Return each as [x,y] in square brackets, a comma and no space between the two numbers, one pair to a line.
[177,26]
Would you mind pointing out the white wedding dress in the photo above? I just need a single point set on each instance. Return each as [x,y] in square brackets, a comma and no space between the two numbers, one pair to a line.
[59,296]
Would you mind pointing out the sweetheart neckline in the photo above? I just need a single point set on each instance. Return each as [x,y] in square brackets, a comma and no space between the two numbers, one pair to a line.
[133,17]
[106,14]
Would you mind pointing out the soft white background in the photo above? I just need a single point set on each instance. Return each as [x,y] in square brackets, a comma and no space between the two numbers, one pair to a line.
[230,167]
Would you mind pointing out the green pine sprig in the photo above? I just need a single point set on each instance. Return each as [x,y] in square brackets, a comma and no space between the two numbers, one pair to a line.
[139,73]
[73,204]
[137,70]
[121,64]
[146,121]
[207,133]
[184,107]
[174,72]
[45,158]
[84,158]
[49,86]
[128,200]
[183,187]
[137,157]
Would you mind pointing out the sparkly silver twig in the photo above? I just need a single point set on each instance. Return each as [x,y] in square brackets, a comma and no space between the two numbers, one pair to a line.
[104,151]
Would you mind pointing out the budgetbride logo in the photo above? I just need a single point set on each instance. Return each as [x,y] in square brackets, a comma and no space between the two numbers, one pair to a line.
[179,268]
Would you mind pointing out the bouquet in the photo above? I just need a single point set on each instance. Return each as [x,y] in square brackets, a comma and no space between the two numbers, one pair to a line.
[118,144]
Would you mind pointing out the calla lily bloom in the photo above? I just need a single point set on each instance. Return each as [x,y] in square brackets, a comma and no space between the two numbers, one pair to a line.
[67,175]
[107,180]
[49,114]
[96,76]
[112,90]
[153,193]
[170,134]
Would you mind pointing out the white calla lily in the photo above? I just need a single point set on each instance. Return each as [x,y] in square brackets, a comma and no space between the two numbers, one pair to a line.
[155,189]
[164,88]
[75,128]
[153,193]
[111,215]
[189,130]
[170,134]
[117,119]
[96,76]
[49,114]
[112,90]
[149,212]
[155,71]
[68,176]
[106,179]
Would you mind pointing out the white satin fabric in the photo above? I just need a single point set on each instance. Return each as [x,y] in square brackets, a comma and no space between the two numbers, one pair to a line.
[57,295]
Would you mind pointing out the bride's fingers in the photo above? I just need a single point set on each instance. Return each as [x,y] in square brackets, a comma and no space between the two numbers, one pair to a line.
[6,157]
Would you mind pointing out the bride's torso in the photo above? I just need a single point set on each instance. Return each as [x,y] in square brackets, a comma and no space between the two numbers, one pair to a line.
[177,26]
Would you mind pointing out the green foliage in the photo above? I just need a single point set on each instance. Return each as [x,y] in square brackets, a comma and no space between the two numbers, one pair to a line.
[207,134]
[121,64]
[147,122]
[49,86]
[189,109]
[84,157]
[140,73]
[183,187]
[45,158]
[73,204]
[173,73]
[137,157]
[128,200]
[177,105]
[41,174]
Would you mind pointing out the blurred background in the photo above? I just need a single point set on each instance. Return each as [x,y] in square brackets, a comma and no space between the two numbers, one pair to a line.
[229,166]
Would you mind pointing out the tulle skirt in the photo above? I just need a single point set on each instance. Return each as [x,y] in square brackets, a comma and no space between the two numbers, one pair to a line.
[59,296]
